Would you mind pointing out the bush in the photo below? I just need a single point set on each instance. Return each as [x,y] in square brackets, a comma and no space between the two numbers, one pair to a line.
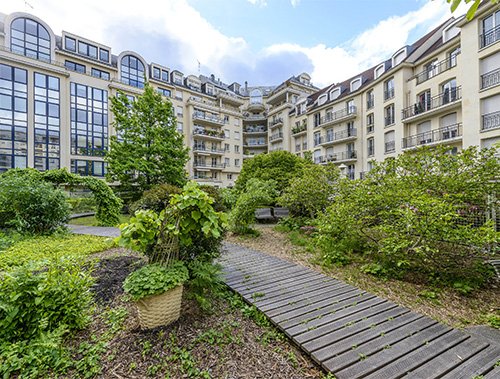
[155,199]
[229,196]
[215,193]
[31,206]
[81,204]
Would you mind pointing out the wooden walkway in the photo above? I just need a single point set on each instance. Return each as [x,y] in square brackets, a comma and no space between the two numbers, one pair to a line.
[350,332]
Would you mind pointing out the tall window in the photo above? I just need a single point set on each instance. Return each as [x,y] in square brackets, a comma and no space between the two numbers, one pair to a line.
[449,91]
[370,99]
[13,117]
[89,120]
[47,122]
[389,89]
[389,115]
[255,97]
[132,71]
[491,29]
[371,147]
[30,38]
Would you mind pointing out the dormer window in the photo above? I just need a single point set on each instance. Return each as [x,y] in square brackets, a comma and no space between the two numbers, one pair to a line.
[355,84]
[70,44]
[379,70]
[399,56]
[132,71]
[322,99]
[30,39]
[335,93]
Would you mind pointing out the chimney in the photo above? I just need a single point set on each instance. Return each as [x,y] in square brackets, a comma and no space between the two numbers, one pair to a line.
[246,86]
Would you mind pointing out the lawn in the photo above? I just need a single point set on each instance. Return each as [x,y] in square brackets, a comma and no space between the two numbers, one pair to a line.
[91,220]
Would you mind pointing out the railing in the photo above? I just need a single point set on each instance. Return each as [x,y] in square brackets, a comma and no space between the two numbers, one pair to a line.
[276,121]
[211,118]
[389,94]
[299,128]
[434,102]
[390,146]
[335,116]
[203,101]
[437,69]
[276,136]
[255,129]
[209,165]
[260,143]
[209,133]
[341,156]
[441,134]
[490,79]
[211,150]
[489,37]
[491,120]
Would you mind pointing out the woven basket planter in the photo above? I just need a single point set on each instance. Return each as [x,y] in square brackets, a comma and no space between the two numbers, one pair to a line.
[158,310]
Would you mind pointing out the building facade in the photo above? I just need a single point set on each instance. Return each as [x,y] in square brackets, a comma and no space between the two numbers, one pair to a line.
[444,89]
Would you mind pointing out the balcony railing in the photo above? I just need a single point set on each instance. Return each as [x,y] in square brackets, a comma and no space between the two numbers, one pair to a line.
[441,134]
[276,136]
[209,133]
[210,118]
[336,116]
[434,102]
[490,79]
[437,69]
[258,143]
[275,122]
[388,93]
[209,165]
[339,136]
[255,129]
[207,150]
[299,128]
[491,120]
[390,146]
[489,37]
[337,157]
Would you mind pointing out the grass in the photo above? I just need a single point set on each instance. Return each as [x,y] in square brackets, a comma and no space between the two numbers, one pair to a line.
[91,220]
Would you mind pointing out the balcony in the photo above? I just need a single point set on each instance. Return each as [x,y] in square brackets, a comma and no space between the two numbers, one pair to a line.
[340,136]
[257,129]
[203,149]
[388,94]
[442,100]
[250,117]
[260,144]
[445,134]
[490,79]
[390,147]
[276,137]
[209,134]
[255,107]
[340,157]
[336,117]
[490,121]
[299,129]
[209,119]
[211,166]
[276,122]
[439,68]
[489,37]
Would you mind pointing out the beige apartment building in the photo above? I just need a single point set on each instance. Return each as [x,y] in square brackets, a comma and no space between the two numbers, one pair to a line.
[444,89]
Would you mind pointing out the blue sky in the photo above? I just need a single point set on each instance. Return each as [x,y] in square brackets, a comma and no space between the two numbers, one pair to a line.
[260,41]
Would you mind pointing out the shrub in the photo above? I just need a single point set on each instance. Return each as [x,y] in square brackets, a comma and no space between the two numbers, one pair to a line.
[81,204]
[155,199]
[229,197]
[215,193]
[31,206]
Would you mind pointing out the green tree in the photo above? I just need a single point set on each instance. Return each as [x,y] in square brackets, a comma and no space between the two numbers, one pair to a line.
[280,166]
[472,8]
[148,149]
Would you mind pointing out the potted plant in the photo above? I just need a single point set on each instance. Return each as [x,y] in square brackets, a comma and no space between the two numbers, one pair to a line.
[157,292]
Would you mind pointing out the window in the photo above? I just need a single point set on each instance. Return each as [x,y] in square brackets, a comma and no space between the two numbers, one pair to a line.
[89,120]
[424,135]
[350,106]
[47,122]
[351,172]
[452,56]
[237,162]
[70,43]
[389,89]
[178,95]
[322,99]
[423,102]
[317,119]
[389,115]
[370,99]
[237,135]
[180,127]
[156,73]
[236,148]
[431,69]
[88,168]
[491,29]
[73,66]
[227,133]
[180,111]
[333,94]
[164,75]
[229,176]
[370,147]
[449,91]
[164,92]
[132,71]
[355,84]
[104,55]
[227,162]
[317,138]
[100,74]
[370,121]
[30,39]
[13,117]
[227,148]
[87,49]
[390,143]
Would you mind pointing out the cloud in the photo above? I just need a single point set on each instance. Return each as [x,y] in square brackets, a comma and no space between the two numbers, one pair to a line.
[294,3]
[260,3]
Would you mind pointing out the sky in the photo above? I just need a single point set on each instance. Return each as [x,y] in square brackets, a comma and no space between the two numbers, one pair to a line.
[263,42]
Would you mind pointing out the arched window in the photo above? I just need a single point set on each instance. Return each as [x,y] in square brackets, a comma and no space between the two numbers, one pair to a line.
[30,38]
[256,97]
[132,71]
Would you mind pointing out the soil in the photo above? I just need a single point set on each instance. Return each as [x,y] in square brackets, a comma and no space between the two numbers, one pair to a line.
[222,344]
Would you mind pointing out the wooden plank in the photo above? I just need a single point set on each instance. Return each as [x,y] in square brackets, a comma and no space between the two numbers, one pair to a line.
[374,362]
[274,285]
[364,337]
[348,358]
[255,279]
[450,359]
[268,282]
[477,365]
[493,374]
[420,356]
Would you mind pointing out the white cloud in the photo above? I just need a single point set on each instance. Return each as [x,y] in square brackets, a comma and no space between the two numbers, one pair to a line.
[260,3]
[294,3]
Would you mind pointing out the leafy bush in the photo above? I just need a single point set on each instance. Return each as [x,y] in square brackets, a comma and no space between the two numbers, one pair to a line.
[31,206]
[257,193]
[156,199]
[51,247]
[229,197]
[155,279]
[81,204]
[38,299]
[309,193]
[422,213]
[215,193]
[205,282]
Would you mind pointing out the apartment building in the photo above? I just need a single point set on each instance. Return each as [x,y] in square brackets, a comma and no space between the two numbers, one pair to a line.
[444,89]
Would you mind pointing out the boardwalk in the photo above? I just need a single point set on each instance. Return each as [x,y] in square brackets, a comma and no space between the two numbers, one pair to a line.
[350,332]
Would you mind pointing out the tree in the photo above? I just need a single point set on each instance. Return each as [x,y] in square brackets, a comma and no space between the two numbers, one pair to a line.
[148,149]
[472,9]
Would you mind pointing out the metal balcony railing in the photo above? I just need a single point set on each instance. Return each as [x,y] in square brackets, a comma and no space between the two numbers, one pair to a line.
[209,133]
[255,129]
[491,36]
[276,136]
[491,120]
[441,134]
[275,122]
[336,116]
[341,156]
[206,117]
[434,102]
[437,69]
[209,165]
[299,128]
[490,79]
[208,150]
